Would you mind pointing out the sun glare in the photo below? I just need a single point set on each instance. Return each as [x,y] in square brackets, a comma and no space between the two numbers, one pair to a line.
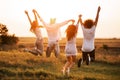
[12,13]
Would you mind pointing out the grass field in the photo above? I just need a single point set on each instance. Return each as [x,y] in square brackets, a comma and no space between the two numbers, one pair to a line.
[16,64]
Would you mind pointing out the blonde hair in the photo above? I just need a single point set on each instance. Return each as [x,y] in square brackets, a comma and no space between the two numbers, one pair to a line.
[52,20]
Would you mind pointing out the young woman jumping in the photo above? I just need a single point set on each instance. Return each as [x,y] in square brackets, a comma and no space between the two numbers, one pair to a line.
[35,28]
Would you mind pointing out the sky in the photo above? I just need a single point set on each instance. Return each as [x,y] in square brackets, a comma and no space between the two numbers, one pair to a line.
[13,16]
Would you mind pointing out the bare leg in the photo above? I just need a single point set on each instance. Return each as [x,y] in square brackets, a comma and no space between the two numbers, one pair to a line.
[57,50]
[49,50]
[39,46]
[73,61]
[67,65]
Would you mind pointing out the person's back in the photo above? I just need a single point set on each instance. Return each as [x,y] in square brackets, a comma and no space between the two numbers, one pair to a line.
[35,28]
[54,35]
[88,47]
[88,40]
[38,33]
[53,31]
[70,48]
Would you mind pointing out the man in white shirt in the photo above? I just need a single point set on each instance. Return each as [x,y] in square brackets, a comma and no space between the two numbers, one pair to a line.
[53,31]
[88,48]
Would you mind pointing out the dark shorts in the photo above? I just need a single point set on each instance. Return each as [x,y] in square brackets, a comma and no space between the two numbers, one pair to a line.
[91,54]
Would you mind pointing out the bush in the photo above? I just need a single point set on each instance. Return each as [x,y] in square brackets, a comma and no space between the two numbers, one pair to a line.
[8,39]
[105,47]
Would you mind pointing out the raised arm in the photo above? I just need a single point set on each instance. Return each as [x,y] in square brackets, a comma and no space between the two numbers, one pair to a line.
[28,17]
[38,15]
[66,22]
[35,15]
[97,16]
[40,18]
[77,23]
[80,19]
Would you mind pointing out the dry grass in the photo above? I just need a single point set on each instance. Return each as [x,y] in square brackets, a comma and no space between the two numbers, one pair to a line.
[19,65]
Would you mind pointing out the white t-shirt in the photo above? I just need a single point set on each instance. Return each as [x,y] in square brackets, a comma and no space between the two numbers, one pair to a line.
[37,33]
[88,40]
[53,30]
[70,48]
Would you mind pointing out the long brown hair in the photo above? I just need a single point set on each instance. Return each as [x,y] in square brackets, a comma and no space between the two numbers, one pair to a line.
[33,26]
[88,23]
[71,31]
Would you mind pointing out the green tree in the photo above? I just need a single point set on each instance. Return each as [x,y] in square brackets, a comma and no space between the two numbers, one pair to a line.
[5,38]
[3,29]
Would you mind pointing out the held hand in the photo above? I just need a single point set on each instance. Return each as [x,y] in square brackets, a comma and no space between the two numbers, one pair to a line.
[36,13]
[80,19]
[80,15]
[26,12]
[73,21]
[34,10]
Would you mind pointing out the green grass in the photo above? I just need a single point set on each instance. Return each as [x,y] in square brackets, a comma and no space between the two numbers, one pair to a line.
[19,65]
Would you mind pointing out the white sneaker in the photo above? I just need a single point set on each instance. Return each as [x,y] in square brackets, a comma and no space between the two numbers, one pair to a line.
[68,71]
[25,50]
[89,58]
[63,71]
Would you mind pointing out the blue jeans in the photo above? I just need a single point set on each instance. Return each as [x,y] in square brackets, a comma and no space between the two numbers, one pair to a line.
[51,47]
[39,45]
[38,48]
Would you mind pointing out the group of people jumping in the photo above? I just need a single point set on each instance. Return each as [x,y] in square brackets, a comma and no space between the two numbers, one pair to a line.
[53,31]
